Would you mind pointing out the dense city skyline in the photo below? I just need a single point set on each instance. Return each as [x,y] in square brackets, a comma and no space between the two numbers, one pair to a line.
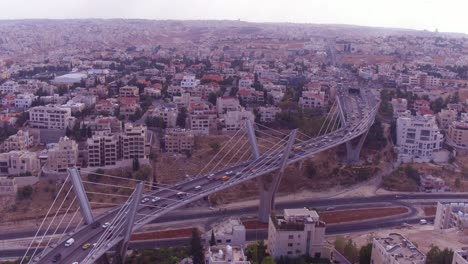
[420,14]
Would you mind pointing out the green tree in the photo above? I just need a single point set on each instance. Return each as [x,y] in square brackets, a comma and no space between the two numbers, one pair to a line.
[365,254]
[340,243]
[256,252]
[136,164]
[96,176]
[351,252]
[181,117]
[196,247]
[437,105]
[143,174]
[24,192]
[268,260]
[212,239]
[437,256]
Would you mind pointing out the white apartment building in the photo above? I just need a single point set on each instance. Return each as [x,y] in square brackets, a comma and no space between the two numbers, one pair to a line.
[231,232]
[24,100]
[225,255]
[200,124]
[189,82]
[9,87]
[225,104]
[418,137]
[312,99]
[245,83]
[449,215]
[50,117]
[446,118]
[62,155]
[18,163]
[128,91]
[268,113]
[177,140]
[168,114]
[22,140]
[395,249]
[235,120]
[460,257]
[297,232]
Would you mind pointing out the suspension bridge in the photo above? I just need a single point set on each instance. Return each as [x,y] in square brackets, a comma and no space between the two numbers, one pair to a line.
[253,152]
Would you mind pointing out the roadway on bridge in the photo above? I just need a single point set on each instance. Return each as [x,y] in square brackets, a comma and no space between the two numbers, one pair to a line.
[358,112]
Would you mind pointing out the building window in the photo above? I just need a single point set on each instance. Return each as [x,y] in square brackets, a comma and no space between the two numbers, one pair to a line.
[291,236]
[290,244]
[289,252]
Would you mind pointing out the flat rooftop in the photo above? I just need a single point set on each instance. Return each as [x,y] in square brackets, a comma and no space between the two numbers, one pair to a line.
[401,249]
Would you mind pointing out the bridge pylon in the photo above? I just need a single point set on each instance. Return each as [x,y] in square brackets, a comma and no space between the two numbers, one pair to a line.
[269,184]
[80,193]
[121,248]
[353,151]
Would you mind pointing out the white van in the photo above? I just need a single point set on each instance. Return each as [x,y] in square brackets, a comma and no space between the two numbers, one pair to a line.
[198,188]
[69,242]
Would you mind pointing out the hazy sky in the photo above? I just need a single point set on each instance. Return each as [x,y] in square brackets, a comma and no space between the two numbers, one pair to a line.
[446,15]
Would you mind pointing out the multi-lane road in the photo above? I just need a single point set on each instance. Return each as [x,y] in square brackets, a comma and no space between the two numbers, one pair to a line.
[168,199]
[338,203]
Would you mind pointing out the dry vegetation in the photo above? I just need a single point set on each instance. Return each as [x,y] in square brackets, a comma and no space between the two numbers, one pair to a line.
[46,190]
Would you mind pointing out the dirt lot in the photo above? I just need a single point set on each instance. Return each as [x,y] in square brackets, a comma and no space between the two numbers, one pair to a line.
[360,214]
[175,233]
[430,210]
[46,190]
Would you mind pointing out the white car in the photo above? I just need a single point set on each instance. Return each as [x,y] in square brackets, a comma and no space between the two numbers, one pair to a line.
[106,225]
[144,200]
[155,199]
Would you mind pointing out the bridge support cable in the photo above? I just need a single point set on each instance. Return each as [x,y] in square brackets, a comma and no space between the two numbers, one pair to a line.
[200,173]
[79,190]
[43,221]
[326,119]
[50,223]
[268,189]
[215,168]
[283,134]
[110,231]
[335,119]
[331,121]
[342,111]
[59,224]
[121,249]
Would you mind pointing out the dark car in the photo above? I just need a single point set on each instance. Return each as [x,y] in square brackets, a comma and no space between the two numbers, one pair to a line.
[95,225]
[57,257]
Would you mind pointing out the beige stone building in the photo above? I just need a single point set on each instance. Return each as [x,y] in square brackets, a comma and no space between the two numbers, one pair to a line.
[106,149]
[128,91]
[8,186]
[22,140]
[19,163]
[178,140]
[297,232]
[62,155]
